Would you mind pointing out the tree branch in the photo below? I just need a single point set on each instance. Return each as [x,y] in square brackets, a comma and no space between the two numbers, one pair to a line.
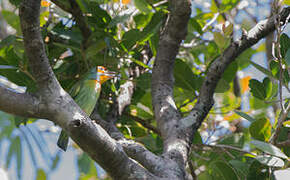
[165,111]
[61,108]
[283,116]
[20,104]
[136,151]
[34,47]
[205,100]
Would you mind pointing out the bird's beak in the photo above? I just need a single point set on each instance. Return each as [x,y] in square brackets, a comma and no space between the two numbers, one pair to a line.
[110,74]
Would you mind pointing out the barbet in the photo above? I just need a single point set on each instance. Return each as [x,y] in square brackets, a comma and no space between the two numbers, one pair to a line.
[86,94]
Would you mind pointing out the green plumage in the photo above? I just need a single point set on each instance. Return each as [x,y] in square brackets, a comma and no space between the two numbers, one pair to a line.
[85,93]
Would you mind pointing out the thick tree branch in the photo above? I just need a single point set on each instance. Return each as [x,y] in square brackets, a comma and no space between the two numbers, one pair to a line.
[136,151]
[61,108]
[205,100]
[165,110]
[161,167]
[34,47]
[21,104]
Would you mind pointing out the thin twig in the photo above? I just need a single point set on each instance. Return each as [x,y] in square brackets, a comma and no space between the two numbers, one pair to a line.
[144,123]
[284,143]
[216,15]
[281,119]
[191,168]
[276,10]
[223,146]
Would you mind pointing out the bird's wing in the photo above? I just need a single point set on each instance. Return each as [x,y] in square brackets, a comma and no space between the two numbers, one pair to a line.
[62,141]
[76,88]
[74,91]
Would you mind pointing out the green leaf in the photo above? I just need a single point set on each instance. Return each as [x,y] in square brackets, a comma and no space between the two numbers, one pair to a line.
[83,5]
[269,148]
[257,89]
[152,27]
[222,86]
[287,57]
[261,129]
[95,48]
[270,161]
[197,138]
[153,42]
[244,59]
[256,103]
[72,36]
[12,19]
[228,5]
[141,112]
[236,140]
[100,18]
[19,156]
[184,77]
[41,175]
[84,162]
[130,38]
[230,72]
[286,2]
[151,142]
[228,30]
[20,120]
[262,69]
[193,25]
[268,87]
[257,171]
[214,7]
[286,76]
[144,81]
[7,41]
[274,66]
[140,63]
[286,123]
[142,20]
[143,6]
[223,170]
[285,44]
[18,48]
[283,136]
[244,115]
[119,19]
[220,40]
[204,176]
[241,167]
[42,18]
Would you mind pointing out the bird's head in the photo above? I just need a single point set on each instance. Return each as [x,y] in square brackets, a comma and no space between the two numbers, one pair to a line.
[103,74]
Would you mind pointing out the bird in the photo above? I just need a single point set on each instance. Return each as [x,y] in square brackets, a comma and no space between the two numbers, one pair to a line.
[86,93]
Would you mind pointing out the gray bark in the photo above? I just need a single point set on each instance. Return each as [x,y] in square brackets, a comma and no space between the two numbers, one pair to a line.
[122,158]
